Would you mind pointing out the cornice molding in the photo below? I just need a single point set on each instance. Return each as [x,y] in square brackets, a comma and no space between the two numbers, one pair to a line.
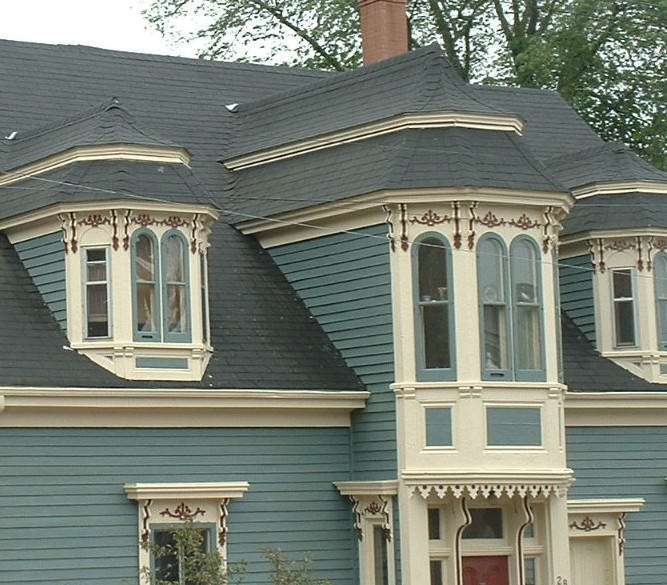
[497,122]
[119,407]
[367,209]
[605,506]
[605,234]
[367,488]
[619,188]
[608,409]
[165,154]
[186,491]
[15,225]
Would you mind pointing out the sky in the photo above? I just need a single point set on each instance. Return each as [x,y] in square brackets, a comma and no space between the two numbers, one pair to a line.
[109,24]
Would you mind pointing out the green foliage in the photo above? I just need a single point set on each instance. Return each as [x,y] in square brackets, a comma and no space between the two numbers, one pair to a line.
[286,572]
[182,559]
[605,57]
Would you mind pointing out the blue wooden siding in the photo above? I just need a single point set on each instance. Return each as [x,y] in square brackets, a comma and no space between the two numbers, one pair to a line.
[44,259]
[344,279]
[627,462]
[576,293]
[66,520]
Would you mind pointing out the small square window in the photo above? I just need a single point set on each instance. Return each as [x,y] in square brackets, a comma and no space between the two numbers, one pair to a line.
[486,523]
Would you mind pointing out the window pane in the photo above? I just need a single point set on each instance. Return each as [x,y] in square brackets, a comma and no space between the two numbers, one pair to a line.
[97,272]
[380,556]
[434,523]
[495,337]
[98,315]
[530,571]
[166,557]
[661,276]
[145,258]
[432,270]
[96,255]
[509,426]
[529,338]
[622,284]
[436,573]
[525,272]
[176,302]
[486,523]
[435,325]
[491,272]
[625,322]
[146,308]
[175,259]
[438,426]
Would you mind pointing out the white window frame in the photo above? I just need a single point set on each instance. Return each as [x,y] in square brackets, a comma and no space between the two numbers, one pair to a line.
[86,283]
[632,299]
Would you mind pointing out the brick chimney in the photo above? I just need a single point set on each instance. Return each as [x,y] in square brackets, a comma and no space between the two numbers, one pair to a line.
[384,29]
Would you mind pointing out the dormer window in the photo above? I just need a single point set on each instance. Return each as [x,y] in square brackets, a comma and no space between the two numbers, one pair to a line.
[661,298]
[97,293]
[160,287]
[624,307]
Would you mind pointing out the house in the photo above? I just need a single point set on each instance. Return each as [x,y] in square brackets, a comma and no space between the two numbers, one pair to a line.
[414,326]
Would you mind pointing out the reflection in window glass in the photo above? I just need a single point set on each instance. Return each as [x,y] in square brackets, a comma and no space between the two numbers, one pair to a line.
[434,523]
[491,267]
[530,571]
[176,315]
[486,523]
[661,297]
[433,302]
[624,311]
[145,273]
[527,305]
[97,292]
[436,573]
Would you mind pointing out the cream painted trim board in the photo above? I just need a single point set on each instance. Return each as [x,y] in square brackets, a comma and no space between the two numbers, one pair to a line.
[19,228]
[619,188]
[337,216]
[186,491]
[605,506]
[73,407]
[590,409]
[584,237]
[163,154]
[498,122]
[367,488]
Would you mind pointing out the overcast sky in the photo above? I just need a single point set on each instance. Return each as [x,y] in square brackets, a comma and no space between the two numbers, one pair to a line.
[110,24]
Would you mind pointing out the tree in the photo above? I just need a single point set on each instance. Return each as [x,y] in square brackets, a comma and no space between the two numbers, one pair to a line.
[605,57]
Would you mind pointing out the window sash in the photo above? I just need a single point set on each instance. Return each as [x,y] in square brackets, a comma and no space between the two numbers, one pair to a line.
[660,276]
[145,290]
[434,315]
[175,292]
[97,294]
[624,318]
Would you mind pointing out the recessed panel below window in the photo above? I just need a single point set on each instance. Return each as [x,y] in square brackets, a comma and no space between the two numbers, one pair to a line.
[513,427]
[438,427]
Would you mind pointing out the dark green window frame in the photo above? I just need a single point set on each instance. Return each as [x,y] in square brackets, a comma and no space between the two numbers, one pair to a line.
[170,285]
[142,286]
[434,308]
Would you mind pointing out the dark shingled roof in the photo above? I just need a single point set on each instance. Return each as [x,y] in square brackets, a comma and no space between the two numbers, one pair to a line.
[587,371]
[415,82]
[551,127]
[104,180]
[604,163]
[106,125]
[619,211]
[449,157]
[262,334]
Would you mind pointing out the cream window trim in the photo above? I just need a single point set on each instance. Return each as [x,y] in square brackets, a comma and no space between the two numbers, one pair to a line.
[177,503]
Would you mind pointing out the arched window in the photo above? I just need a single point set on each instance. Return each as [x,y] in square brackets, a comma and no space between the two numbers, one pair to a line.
[175,287]
[434,308]
[160,283]
[660,276]
[494,308]
[527,310]
[146,294]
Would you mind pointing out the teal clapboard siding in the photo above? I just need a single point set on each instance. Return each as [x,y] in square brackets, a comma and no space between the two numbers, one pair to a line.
[66,520]
[576,293]
[44,259]
[344,279]
[627,462]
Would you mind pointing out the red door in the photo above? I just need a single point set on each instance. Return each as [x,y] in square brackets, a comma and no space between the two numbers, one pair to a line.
[485,571]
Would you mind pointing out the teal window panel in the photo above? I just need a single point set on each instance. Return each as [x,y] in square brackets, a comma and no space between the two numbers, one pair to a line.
[663,369]
[162,363]
[439,427]
[513,427]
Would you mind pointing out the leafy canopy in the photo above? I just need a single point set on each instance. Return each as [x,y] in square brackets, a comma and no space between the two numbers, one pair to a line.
[605,57]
